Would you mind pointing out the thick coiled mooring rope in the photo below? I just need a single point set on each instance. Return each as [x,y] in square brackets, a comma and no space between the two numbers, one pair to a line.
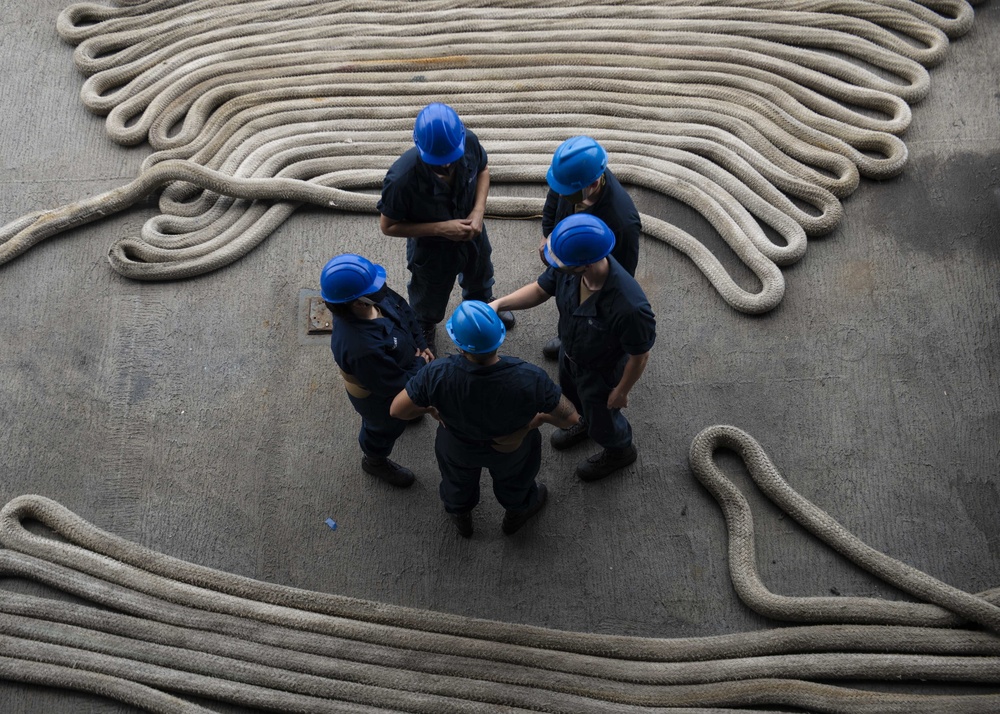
[163,627]
[759,114]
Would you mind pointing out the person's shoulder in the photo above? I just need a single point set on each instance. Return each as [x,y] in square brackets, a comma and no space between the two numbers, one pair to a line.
[623,284]
[342,336]
[405,165]
[342,327]
[528,369]
[616,192]
[443,366]
[512,362]
[396,300]
[353,333]
[427,376]
[474,150]
[548,277]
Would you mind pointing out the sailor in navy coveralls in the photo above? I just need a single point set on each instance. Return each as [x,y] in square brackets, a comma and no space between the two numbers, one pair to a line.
[581,182]
[434,195]
[490,408]
[607,329]
[378,346]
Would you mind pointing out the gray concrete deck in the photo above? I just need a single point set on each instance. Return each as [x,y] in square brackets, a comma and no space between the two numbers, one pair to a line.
[196,418]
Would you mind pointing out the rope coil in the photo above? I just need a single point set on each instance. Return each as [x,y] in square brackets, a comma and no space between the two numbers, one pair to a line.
[162,626]
[739,108]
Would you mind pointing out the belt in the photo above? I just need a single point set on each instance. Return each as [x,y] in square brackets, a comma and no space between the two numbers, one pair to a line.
[504,444]
[354,387]
[511,442]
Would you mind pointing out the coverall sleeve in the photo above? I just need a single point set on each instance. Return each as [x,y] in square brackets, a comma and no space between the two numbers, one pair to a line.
[638,330]
[547,281]
[548,393]
[549,212]
[393,204]
[628,237]
[418,388]
[483,158]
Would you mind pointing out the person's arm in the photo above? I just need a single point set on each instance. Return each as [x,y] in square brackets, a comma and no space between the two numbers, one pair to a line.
[408,321]
[563,416]
[403,407]
[549,213]
[628,254]
[475,218]
[524,298]
[456,230]
[548,222]
[634,367]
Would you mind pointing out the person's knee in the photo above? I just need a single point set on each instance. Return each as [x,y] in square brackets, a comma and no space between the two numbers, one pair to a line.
[600,422]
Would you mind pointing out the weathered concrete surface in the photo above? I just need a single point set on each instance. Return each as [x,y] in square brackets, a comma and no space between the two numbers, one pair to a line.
[196,418]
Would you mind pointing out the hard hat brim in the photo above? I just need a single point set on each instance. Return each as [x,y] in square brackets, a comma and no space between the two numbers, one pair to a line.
[378,282]
[561,188]
[438,160]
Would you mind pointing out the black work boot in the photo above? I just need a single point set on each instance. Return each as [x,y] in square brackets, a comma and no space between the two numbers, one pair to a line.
[388,470]
[606,462]
[507,318]
[565,438]
[430,336]
[513,520]
[463,522]
[551,348]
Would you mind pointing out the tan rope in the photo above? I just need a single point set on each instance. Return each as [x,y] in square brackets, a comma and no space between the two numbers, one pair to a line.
[743,109]
[162,626]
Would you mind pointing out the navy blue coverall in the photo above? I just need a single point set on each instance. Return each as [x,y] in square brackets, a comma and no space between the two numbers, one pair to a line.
[615,207]
[411,192]
[381,355]
[480,404]
[597,337]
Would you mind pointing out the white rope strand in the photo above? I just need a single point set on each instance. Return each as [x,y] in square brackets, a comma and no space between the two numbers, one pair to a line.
[149,626]
[743,109]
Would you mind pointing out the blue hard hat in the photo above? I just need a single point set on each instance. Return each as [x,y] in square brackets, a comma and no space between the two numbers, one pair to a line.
[348,277]
[475,328]
[577,163]
[439,134]
[580,239]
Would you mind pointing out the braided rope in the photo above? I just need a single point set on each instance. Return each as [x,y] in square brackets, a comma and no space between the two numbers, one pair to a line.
[163,627]
[746,110]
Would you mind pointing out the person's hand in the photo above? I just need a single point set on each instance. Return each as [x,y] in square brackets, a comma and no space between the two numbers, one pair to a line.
[536,422]
[495,305]
[541,253]
[437,416]
[475,221]
[618,399]
[458,230]
[426,355]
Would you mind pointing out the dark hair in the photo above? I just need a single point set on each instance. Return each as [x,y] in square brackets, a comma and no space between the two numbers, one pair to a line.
[340,310]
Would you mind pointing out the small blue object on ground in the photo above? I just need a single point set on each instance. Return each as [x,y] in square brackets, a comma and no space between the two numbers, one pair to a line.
[332,523]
